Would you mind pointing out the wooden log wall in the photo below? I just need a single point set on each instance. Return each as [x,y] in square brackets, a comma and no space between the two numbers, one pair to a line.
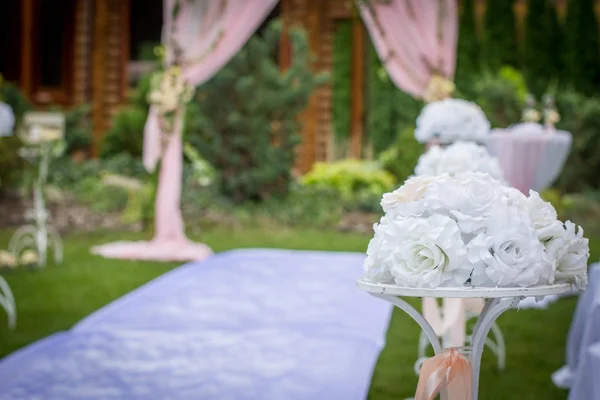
[109,69]
[319,19]
[82,51]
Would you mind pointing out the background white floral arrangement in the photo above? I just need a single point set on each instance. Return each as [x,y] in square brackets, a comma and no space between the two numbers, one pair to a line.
[7,120]
[450,120]
[469,229]
[456,158]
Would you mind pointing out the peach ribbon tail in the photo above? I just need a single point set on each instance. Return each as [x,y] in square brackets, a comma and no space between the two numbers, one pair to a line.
[450,369]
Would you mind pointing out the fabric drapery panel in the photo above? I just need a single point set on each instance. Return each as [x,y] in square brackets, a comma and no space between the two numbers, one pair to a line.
[202,38]
[415,39]
[199,37]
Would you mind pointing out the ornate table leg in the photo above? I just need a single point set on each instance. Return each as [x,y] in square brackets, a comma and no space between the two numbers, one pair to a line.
[492,310]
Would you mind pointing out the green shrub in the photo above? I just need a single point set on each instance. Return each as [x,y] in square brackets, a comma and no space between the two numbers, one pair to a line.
[501,96]
[357,182]
[543,39]
[126,134]
[244,120]
[581,55]
[468,61]
[13,96]
[580,115]
[66,173]
[401,158]
[389,110]
[303,206]
[11,164]
[500,34]
[92,192]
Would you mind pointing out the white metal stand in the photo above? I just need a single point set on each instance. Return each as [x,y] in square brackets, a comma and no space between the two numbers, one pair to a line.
[498,301]
[495,344]
[38,234]
[7,301]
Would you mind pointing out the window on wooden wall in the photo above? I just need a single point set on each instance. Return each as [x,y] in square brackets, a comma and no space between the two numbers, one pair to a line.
[145,28]
[52,37]
[10,40]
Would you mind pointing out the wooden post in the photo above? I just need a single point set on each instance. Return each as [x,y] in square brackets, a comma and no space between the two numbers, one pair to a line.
[26,46]
[358,83]
[309,117]
[98,72]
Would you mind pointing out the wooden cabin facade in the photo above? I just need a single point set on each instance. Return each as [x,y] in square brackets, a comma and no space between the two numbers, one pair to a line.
[70,52]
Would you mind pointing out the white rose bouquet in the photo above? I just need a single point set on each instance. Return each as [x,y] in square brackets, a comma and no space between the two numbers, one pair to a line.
[169,93]
[450,120]
[456,158]
[469,229]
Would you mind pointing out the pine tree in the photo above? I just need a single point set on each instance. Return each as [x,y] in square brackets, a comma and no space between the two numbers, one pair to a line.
[468,62]
[581,57]
[542,46]
[500,35]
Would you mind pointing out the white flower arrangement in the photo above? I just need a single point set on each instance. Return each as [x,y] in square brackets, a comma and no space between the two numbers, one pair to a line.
[456,158]
[450,120]
[169,93]
[7,120]
[470,230]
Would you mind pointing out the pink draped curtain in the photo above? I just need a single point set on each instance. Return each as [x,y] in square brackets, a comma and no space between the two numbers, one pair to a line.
[415,39]
[207,34]
[201,39]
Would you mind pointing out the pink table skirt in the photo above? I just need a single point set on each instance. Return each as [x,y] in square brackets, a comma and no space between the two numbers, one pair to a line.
[530,161]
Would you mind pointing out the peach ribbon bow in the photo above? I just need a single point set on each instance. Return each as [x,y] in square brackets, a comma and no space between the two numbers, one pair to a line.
[450,369]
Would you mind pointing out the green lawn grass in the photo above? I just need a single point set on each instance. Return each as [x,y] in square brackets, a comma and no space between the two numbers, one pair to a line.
[55,298]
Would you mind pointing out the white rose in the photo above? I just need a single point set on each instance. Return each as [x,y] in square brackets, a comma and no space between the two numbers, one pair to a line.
[541,212]
[406,200]
[7,120]
[468,198]
[572,258]
[509,252]
[375,265]
[426,252]
[457,158]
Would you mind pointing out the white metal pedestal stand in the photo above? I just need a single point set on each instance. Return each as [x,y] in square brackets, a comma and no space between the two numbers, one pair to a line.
[38,234]
[498,301]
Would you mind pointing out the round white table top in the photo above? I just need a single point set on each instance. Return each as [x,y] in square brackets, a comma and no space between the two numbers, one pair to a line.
[464,292]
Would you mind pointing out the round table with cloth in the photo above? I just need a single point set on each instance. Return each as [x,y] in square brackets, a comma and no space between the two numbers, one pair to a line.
[530,161]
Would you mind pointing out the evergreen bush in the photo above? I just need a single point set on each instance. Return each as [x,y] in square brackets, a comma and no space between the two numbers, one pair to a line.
[542,46]
[580,115]
[580,50]
[244,120]
[401,158]
[126,134]
[468,63]
[500,34]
